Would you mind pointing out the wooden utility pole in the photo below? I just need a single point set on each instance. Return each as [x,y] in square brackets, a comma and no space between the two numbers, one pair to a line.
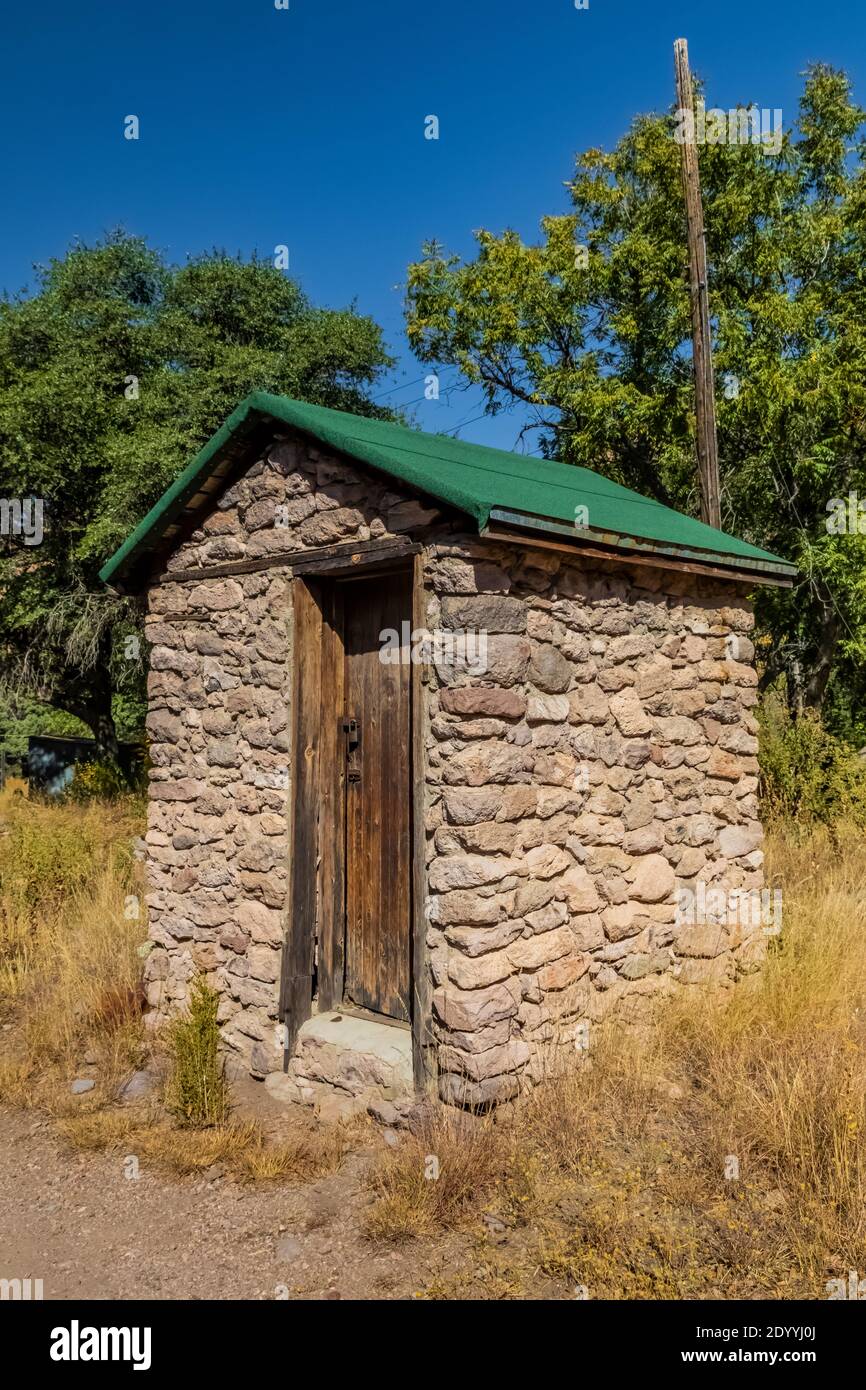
[702,349]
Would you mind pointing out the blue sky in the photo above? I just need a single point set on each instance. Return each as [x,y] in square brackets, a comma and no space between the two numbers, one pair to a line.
[305,126]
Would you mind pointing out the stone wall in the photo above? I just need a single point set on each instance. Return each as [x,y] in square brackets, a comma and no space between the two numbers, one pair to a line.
[219,693]
[604,760]
[604,764]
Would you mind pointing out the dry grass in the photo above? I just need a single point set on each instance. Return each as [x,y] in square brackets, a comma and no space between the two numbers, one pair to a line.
[437,1177]
[609,1096]
[623,1165]
[611,1177]
[778,1071]
[70,929]
[70,970]
[308,1152]
[311,1150]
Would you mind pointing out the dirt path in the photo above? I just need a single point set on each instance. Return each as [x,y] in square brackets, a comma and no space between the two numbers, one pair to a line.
[78,1223]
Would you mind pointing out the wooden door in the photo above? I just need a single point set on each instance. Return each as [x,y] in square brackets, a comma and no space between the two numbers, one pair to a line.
[378,801]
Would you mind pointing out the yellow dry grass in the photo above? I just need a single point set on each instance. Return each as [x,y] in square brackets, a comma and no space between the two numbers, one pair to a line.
[615,1176]
[71,924]
[241,1149]
[618,1177]
[71,928]
[437,1177]
[778,1071]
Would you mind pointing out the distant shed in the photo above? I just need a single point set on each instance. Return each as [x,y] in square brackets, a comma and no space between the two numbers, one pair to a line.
[52,760]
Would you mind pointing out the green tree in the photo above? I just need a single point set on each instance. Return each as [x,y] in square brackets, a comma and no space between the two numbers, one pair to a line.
[588,331]
[113,373]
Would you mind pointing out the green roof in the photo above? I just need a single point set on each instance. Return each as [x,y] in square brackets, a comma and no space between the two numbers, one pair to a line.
[489,485]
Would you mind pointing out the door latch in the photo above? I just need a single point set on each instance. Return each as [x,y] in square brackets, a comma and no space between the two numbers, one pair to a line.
[353,739]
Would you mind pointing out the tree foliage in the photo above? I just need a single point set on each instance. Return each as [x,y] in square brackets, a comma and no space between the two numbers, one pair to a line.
[589,332]
[113,373]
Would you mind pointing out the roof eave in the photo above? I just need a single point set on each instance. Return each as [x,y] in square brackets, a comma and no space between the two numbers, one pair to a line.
[597,543]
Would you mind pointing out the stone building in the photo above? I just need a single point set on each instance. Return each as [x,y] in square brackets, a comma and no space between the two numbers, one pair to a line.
[451,748]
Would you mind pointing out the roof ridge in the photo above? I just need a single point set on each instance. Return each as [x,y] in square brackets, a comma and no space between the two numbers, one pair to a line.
[521,486]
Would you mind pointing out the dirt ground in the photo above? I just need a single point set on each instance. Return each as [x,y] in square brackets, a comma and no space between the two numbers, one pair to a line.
[76,1221]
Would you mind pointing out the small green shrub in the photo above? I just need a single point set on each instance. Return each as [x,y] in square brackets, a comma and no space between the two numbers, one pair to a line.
[198,1093]
[806,772]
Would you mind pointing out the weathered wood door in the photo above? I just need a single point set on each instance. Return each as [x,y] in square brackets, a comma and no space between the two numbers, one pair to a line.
[377,748]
